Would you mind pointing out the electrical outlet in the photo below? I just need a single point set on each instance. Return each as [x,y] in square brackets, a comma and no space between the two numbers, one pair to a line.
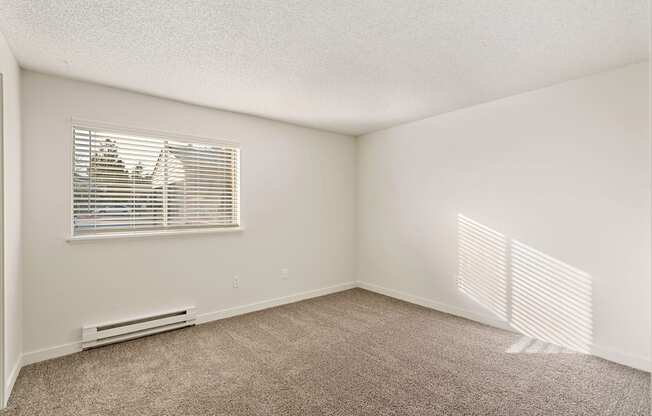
[236,281]
[284,274]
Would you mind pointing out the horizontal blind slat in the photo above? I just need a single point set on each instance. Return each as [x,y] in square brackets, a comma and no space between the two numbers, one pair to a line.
[135,148]
[125,182]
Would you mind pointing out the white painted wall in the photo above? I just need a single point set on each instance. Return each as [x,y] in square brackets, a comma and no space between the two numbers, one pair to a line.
[564,170]
[12,215]
[297,207]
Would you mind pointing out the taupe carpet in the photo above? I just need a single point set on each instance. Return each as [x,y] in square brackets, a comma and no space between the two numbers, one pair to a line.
[351,353]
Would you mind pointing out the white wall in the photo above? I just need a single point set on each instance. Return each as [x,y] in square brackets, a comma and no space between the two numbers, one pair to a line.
[563,171]
[12,215]
[297,207]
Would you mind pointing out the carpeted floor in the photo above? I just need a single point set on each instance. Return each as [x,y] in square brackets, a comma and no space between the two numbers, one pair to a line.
[351,353]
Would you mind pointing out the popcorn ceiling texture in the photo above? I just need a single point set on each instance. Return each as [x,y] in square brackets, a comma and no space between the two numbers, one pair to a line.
[346,66]
[351,353]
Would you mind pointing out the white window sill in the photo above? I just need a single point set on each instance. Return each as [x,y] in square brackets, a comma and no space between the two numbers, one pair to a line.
[150,234]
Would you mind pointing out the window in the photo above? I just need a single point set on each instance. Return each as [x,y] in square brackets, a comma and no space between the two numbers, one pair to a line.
[124,183]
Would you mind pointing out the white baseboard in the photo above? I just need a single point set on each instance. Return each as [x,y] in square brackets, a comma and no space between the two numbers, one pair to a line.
[638,362]
[9,385]
[610,354]
[441,307]
[642,363]
[73,347]
[266,304]
[35,356]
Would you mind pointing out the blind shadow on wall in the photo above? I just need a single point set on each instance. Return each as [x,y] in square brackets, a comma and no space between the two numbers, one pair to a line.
[536,294]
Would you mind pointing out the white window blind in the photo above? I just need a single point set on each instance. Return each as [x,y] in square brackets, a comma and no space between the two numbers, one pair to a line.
[124,183]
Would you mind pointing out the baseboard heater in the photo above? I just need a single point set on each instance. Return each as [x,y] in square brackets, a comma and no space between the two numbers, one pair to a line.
[109,333]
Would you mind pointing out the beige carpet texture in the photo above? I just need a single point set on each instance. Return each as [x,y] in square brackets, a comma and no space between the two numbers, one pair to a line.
[350,353]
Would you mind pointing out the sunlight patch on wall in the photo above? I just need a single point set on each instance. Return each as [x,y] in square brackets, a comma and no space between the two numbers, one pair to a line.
[551,300]
[538,295]
[482,268]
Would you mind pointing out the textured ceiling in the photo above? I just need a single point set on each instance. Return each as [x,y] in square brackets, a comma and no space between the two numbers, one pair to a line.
[348,66]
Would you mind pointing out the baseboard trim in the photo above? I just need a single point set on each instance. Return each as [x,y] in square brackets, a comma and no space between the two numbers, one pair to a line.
[438,306]
[9,385]
[266,304]
[73,347]
[50,352]
[609,354]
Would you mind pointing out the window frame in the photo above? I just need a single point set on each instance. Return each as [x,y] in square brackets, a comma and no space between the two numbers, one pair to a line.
[156,134]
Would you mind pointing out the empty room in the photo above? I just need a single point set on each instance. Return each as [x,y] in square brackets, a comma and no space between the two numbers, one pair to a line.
[371,207]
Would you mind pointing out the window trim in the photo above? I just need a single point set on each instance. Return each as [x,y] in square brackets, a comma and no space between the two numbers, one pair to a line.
[146,234]
[118,128]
